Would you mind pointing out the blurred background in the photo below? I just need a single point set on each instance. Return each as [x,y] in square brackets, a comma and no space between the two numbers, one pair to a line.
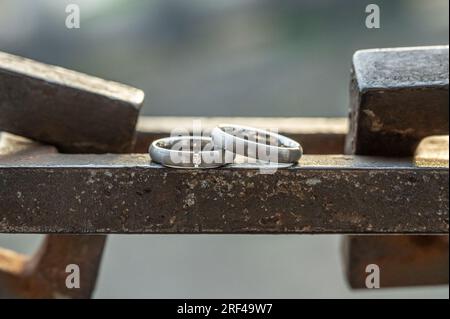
[222,58]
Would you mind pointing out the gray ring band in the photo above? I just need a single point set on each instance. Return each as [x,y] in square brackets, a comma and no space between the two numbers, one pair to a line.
[239,140]
[180,152]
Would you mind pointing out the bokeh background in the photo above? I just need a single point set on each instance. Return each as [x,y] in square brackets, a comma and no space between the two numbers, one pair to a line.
[224,58]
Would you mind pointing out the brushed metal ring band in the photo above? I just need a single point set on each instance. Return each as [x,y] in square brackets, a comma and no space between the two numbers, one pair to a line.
[188,152]
[256,143]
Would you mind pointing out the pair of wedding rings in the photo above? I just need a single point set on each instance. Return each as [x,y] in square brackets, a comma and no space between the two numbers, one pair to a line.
[226,141]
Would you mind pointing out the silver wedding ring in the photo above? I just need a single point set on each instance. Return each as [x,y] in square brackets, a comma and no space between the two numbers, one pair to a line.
[256,143]
[188,152]
[226,141]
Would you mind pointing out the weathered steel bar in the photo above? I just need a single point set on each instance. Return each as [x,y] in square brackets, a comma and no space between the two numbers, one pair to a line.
[129,194]
[73,111]
[402,260]
[317,135]
[44,274]
[398,97]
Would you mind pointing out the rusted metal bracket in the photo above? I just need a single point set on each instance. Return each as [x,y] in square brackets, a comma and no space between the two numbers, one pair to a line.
[398,97]
[402,260]
[44,275]
[76,113]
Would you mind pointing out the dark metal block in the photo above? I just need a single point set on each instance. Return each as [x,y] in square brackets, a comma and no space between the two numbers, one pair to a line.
[398,97]
[73,111]
[129,194]
[402,260]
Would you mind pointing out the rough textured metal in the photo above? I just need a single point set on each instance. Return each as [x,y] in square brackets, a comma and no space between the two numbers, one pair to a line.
[317,135]
[73,111]
[403,260]
[398,97]
[44,274]
[128,194]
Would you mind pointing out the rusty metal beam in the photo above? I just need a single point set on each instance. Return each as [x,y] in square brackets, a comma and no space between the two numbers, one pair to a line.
[317,135]
[398,97]
[73,111]
[129,194]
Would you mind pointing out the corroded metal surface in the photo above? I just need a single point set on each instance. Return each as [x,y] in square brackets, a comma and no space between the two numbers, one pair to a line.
[398,97]
[73,111]
[402,260]
[129,194]
[44,275]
